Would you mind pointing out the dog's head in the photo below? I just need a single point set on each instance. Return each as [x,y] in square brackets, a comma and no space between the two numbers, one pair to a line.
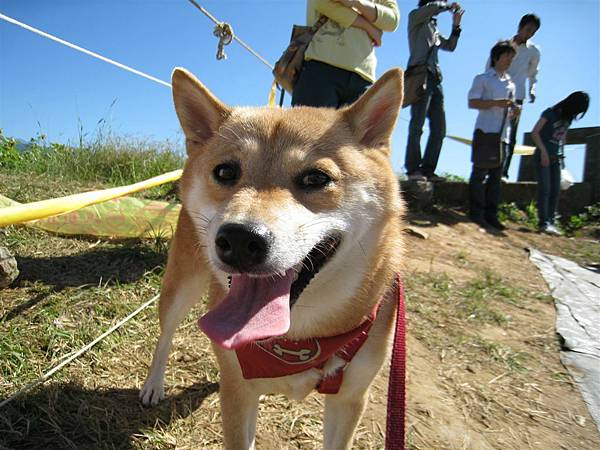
[276,195]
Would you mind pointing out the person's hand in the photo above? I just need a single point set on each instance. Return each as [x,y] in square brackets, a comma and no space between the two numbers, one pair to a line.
[457,15]
[503,103]
[454,6]
[516,109]
[544,158]
[531,98]
[376,35]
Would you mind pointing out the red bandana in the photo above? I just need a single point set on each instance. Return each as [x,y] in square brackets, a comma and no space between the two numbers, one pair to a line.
[279,357]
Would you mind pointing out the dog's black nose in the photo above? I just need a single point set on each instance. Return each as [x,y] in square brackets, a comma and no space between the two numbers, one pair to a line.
[243,246]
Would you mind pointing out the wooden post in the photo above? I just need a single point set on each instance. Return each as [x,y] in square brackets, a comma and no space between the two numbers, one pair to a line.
[591,168]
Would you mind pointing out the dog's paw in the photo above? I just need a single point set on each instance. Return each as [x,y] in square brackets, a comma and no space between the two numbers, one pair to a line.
[152,392]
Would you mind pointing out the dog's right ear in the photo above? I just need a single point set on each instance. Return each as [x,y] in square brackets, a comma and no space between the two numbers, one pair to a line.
[373,116]
[200,113]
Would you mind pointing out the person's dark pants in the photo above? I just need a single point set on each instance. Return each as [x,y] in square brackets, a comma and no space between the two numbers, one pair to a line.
[432,107]
[484,190]
[514,125]
[548,189]
[320,84]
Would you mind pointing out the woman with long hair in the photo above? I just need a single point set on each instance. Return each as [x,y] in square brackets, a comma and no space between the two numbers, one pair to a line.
[549,134]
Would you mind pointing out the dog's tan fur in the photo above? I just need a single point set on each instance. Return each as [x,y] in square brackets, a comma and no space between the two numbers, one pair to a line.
[275,145]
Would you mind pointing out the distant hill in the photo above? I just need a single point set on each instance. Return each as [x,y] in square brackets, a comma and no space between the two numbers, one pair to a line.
[22,145]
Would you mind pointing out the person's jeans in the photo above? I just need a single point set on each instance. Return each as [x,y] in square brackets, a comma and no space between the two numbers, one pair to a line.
[514,125]
[548,190]
[484,190]
[432,107]
[323,85]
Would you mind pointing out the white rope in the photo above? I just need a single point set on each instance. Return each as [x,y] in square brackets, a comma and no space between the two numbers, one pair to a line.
[83,50]
[75,355]
[242,43]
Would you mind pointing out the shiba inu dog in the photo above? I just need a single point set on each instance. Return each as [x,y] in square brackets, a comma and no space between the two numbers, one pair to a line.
[291,220]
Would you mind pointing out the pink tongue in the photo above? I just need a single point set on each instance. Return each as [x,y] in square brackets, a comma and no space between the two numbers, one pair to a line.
[254,308]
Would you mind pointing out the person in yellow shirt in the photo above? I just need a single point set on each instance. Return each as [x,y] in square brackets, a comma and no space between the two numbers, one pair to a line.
[339,63]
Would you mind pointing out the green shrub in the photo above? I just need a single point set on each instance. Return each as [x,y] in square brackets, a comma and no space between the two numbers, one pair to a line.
[454,178]
[532,214]
[591,216]
[9,155]
[511,212]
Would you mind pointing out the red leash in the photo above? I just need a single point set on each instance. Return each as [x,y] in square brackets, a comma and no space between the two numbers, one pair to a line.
[396,405]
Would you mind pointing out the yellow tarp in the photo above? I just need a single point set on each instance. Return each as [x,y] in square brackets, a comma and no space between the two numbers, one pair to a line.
[20,213]
[125,217]
[519,149]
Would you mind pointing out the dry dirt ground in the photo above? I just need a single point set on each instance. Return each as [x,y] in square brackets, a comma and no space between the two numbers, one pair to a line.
[483,358]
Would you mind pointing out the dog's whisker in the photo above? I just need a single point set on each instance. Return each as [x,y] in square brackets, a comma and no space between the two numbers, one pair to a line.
[199,216]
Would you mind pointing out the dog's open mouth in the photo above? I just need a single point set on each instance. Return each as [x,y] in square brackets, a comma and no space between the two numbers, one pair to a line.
[311,265]
[259,307]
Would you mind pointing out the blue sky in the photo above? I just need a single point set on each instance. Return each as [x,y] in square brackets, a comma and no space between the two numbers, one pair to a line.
[48,88]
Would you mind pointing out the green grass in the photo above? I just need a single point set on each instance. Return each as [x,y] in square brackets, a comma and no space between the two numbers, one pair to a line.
[436,304]
[109,161]
[481,300]
[500,354]
[59,308]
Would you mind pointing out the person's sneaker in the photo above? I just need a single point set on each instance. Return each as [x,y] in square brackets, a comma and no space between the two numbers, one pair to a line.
[551,229]
[434,178]
[494,222]
[504,179]
[416,176]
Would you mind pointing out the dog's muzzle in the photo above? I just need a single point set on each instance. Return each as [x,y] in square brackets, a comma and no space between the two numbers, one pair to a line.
[244,247]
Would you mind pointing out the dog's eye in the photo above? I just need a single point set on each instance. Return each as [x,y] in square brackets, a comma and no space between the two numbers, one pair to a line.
[227,173]
[314,179]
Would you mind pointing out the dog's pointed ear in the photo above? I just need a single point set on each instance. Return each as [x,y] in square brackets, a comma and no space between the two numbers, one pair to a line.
[200,113]
[373,116]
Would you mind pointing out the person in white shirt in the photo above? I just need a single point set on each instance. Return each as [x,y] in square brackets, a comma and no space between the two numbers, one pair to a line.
[493,94]
[524,67]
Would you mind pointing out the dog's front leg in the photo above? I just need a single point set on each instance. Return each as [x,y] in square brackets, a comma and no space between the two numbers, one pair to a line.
[239,406]
[184,283]
[342,414]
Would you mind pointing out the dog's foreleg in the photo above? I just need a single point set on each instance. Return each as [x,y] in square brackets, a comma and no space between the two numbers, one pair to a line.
[183,285]
[186,296]
[342,415]
[344,410]
[239,408]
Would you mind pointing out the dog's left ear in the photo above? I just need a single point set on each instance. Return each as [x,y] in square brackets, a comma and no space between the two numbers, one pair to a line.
[373,116]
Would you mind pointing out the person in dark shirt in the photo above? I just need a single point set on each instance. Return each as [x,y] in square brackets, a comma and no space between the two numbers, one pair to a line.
[424,41]
[549,135]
